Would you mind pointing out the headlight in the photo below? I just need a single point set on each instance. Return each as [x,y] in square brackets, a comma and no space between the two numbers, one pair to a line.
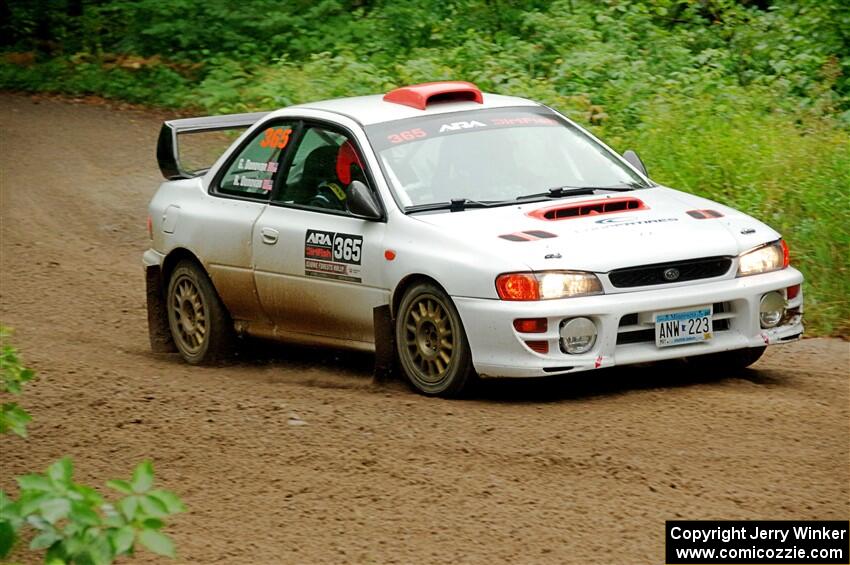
[770,257]
[547,285]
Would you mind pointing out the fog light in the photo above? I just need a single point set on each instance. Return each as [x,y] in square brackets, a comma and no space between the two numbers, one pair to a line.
[771,308]
[578,336]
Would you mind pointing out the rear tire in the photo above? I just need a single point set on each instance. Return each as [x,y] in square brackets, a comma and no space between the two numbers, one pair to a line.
[432,347]
[199,322]
[735,359]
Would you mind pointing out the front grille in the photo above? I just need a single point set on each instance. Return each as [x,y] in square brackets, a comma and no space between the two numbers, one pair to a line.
[691,270]
[632,331]
[639,336]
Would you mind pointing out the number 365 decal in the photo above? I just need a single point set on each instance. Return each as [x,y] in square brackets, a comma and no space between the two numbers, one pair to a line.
[333,255]
[347,248]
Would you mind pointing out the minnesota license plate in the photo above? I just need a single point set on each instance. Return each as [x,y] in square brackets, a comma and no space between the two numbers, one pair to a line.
[683,326]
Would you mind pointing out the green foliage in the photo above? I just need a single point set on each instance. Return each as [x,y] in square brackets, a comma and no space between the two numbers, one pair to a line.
[744,101]
[74,523]
[13,374]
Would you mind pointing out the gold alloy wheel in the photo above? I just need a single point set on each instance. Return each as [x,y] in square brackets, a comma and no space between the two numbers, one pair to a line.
[189,311]
[429,338]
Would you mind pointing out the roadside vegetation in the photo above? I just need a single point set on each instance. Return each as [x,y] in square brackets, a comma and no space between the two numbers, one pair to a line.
[70,522]
[742,101]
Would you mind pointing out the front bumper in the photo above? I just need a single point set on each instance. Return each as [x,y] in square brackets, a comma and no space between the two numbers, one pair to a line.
[498,350]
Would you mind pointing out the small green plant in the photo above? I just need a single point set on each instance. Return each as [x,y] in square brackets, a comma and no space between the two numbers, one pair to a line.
[74,523]
[13,418]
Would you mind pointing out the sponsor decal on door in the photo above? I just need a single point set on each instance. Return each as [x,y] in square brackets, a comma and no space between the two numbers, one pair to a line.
[333,255]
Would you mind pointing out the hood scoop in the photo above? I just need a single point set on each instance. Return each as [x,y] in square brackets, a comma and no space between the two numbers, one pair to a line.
[588,208]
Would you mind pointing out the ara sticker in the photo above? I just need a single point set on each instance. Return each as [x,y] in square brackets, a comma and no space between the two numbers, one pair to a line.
[333,255]
[276,138]
[456,126]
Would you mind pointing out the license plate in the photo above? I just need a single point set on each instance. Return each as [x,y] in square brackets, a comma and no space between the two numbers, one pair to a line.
[683,326]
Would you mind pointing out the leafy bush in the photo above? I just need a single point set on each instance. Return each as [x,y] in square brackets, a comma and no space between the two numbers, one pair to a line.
[13,374]
[75,525]
[72,521]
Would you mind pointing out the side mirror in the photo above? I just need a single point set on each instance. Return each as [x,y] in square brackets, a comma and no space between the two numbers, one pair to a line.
[634,161]
[362,202]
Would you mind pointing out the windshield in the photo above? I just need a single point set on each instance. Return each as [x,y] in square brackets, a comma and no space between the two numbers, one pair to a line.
[491,155]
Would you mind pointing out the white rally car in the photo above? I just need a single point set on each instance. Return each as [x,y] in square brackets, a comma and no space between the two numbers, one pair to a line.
[458,233]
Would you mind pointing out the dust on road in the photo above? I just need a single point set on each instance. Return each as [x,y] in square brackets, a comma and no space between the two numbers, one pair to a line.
[580,469]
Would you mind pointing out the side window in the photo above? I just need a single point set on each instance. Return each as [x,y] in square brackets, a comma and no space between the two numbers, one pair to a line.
[325,164]
[254,169]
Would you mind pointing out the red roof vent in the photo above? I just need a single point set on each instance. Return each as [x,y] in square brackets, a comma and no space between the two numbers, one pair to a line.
[420,95]
[588,208]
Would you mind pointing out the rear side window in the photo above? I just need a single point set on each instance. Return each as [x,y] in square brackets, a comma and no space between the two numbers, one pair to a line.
[253,171]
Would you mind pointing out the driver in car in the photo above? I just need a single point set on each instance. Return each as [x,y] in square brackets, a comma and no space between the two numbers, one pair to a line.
[349,167]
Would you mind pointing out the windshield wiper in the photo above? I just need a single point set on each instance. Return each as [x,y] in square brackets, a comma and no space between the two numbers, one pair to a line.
[561,191]
[461,204]
[456,205]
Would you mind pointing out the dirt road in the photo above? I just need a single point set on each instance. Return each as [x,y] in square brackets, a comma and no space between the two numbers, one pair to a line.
[583,469]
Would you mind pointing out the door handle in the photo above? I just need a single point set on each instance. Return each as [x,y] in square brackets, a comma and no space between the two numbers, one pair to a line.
[269,235]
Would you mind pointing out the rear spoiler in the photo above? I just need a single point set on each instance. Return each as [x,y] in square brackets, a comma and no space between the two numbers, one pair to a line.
[167,153]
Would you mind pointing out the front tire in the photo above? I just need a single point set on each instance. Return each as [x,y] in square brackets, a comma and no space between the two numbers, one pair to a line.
[199,322]
[432,347]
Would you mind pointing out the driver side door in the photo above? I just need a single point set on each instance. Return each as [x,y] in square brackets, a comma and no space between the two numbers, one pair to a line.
[317,268]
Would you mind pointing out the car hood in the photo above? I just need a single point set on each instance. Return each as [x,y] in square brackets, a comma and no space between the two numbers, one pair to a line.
[660,230]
